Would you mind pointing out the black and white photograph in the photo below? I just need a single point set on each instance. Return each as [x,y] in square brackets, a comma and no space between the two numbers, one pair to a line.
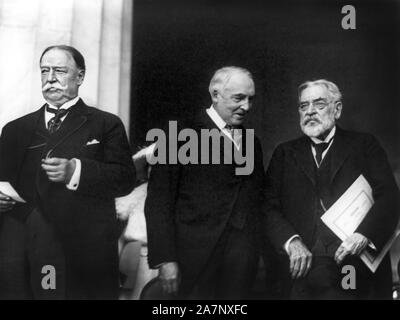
[202,156]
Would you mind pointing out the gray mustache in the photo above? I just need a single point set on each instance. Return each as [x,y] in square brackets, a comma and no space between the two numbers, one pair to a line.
[48,86]
[306,121]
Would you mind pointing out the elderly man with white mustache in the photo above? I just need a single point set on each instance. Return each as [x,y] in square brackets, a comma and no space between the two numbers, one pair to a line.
[305,177]
[68,161]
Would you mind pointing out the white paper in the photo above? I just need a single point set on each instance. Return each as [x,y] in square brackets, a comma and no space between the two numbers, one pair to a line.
[7,189]
[346,214]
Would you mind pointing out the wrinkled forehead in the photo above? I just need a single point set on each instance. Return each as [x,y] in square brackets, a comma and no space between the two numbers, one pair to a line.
[239,83]
[58,57]
[314,92]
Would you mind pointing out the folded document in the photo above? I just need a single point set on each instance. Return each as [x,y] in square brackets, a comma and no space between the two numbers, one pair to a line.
[7,189]
[346,214]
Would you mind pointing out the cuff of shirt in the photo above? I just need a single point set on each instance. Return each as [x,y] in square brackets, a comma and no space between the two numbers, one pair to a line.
[76,177]
[286,245]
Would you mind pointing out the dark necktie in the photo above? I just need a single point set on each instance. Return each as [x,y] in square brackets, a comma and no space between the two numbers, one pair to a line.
[235,135]
[55,123]
[230,129]
[319,150]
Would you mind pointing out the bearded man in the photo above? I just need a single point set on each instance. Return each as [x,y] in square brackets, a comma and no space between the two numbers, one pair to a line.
[309,174]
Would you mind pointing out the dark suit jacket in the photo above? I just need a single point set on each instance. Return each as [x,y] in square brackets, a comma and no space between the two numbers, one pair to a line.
[85,219]
[188,207]
[291,195]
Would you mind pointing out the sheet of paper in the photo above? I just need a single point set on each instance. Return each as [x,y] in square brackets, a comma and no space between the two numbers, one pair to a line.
[7,189]
[346,214]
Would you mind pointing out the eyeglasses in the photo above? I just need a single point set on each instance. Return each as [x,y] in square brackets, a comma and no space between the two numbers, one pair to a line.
[320,105]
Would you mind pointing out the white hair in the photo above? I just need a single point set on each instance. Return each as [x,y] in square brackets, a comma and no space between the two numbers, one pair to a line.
[222,76]
[332,88]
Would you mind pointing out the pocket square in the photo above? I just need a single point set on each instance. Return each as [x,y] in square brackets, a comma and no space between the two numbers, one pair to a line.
[94,141]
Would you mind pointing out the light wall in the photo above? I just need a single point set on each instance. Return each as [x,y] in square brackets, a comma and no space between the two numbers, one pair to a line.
[100,29]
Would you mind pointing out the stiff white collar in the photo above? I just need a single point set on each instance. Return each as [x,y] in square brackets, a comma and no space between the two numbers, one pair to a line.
[235,136]
[67,104]
[216,118]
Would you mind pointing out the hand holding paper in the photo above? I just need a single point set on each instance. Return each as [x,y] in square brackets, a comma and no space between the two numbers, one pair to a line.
[9,194]
[353,245]
[344,217]
[6,203]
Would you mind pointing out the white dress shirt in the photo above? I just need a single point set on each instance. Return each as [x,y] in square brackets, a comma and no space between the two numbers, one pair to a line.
[318,141]
[221,124]
[76,176]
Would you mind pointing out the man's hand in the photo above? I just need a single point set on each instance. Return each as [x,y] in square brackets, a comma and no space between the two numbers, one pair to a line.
[59,170]
[353,245]
[170,277]
[6,203]
[300,258]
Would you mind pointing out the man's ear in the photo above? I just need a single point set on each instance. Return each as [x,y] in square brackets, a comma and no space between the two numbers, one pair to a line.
[81,76]
[214,96]
[338,109]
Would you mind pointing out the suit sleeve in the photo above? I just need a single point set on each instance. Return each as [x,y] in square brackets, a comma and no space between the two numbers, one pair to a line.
[160,213]
[8,145]
[115,175]
[381,220]
[276,227]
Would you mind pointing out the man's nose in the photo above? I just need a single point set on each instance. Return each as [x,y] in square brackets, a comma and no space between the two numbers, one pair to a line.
[51,77]
[311,109]
[246,105]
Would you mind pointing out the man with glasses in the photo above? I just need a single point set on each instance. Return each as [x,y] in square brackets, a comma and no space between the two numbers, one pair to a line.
[305,177]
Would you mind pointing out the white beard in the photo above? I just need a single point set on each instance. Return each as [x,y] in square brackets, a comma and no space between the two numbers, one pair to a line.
[312,131]
[316,130]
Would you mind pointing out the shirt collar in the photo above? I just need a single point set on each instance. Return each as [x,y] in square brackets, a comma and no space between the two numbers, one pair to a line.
[215,117]
[67,104]
[327,139]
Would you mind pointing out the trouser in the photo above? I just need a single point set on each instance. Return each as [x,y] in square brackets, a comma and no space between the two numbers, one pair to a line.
[94,276]
[328,281]
[231,269]
[32,263]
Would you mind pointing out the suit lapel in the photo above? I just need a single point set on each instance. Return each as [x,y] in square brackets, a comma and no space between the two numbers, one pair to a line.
[304,157]
[339,151]
[30,124]
[75,119]
[203,121]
